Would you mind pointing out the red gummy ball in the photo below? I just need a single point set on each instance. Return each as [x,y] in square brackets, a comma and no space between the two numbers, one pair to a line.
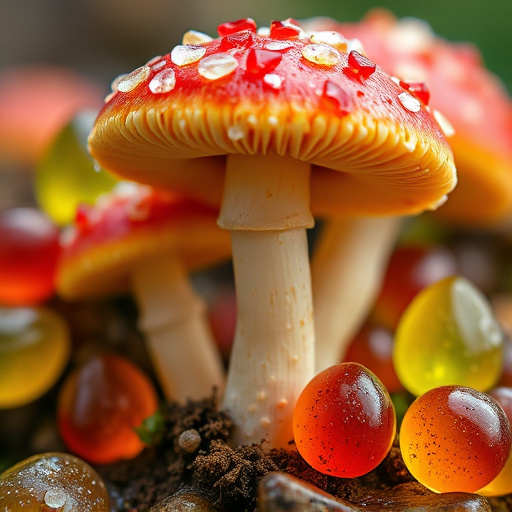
[344,421]
[29,251]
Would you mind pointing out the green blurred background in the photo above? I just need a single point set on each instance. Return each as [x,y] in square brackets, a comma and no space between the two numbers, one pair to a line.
[104,38]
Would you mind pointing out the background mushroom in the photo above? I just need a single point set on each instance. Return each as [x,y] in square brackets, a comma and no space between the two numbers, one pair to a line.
[140,239]
[459,90]
[277,111]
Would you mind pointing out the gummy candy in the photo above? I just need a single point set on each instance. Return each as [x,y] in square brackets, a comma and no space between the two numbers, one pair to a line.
[28,256]
[344,421]
[67,175]
[34,349]
[455,439]
[448,335]
[99,406]
[502,484]
[52,482]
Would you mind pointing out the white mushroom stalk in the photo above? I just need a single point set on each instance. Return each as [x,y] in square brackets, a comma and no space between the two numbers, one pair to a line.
[178,336]
[347,269]
[266,208]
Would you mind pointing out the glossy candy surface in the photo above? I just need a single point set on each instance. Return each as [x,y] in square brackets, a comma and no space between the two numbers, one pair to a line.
[344,421]
[99,406]
[373,348]
[448,335]
[29,250]
[454,438]
[502,484]
[411,268]
[67,176]
[34,349]
[56,482]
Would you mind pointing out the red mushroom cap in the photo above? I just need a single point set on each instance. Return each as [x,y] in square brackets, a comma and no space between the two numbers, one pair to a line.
[175,118]
[128,226]
[471,98]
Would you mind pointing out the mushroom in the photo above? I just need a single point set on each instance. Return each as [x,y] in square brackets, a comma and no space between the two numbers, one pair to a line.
[463,90]
[464,97]
[143,239]
[277,110]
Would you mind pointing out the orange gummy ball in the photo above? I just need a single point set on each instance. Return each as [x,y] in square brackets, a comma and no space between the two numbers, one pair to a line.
[455,439]
[344,421]
[99,406]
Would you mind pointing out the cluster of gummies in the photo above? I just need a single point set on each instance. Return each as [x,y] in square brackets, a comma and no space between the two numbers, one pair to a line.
[447,351]
[438,340]
[101,396]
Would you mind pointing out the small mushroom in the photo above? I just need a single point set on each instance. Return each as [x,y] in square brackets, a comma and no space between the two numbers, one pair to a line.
[268,113]
[140,239]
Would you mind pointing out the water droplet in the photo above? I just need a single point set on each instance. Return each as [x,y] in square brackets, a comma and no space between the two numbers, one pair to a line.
[409,102]
[361,65]
[417,89]
[217,66]
[335,98]
[236,133]
[274,81]
[55,498]
[444,124]
[285,30]
[261,62]
[134,79]
[321,54]
[263,31]
[194,37]
[278,45]
[330,38]
[232,27]
[182,55]
[163,82]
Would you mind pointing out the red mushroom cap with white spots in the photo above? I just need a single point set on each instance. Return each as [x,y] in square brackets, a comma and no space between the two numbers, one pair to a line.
[373,145]
[462,92]
[128,226]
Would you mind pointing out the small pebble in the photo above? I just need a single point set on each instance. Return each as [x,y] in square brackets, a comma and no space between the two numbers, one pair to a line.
[190,440]
[185,500]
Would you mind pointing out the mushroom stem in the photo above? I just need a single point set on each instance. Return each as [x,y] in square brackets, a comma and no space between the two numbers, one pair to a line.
[272,360]
[179,339]
[347,270]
